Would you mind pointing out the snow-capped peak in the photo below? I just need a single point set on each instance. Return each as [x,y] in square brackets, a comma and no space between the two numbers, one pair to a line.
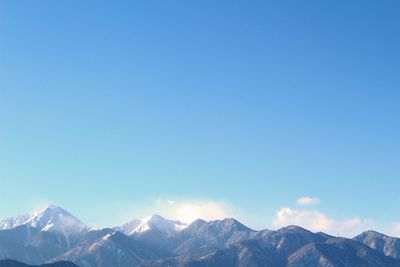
[154,222]
[54,218]
[51,218]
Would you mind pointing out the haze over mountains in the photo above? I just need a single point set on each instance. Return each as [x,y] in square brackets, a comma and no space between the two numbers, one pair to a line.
[54,235]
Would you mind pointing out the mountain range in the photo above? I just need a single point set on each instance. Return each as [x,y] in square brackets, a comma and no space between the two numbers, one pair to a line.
[54,236]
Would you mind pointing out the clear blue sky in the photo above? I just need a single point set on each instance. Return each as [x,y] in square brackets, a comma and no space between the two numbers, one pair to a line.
[254,103]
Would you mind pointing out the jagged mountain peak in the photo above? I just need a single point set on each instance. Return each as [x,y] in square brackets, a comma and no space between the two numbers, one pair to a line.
[388,245]
[372,233]
[234,223]
[50,218]
[218,227]
[49,211]
[293,229]
[153,222]
[157,222]
[229,221]
[197,223]
[52,207]
[155,218]
[226,224]
[55,218]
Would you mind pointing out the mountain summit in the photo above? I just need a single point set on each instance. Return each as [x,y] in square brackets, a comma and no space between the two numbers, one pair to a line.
[51,218]
[151,223]
[390,246]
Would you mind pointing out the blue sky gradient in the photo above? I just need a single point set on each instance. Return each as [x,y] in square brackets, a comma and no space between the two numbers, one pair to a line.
[106,107]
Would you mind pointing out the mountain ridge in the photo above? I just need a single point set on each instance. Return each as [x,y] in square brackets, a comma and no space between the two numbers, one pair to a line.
[53,234]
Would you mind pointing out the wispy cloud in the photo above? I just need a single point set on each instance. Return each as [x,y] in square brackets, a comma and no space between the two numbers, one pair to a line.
[307,201]
[396,229]
[189,210]
[317,221]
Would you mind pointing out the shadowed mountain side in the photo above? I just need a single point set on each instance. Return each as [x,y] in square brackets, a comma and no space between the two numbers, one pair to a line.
[390,246]
[13,263]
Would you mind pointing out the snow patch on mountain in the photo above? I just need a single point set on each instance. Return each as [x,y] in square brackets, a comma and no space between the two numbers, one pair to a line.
[13,222]
[154,222]
[51,218]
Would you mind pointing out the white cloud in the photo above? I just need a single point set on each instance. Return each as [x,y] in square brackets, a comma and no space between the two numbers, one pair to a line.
[190,210]
[307,201]
[317,221]
[396,229]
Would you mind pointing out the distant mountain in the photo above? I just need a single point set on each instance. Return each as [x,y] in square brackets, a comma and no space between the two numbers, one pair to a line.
[51,219]
[104,248]
[390,246]
[129,227]
[30,245]
[156,232]
[152,223]
[339,252]
[243,254]
[205,236]
[13,222]
[288,247]
[40,236]
[172,238]
[53,235]
[281,243]
[13,263]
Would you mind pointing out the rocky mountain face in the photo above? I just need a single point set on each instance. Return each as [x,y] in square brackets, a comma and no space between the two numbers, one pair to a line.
[53,235]
[288,247]
[155,222]
[390,246]
[205,236]
[339,252]
[40,236]
[107,247]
